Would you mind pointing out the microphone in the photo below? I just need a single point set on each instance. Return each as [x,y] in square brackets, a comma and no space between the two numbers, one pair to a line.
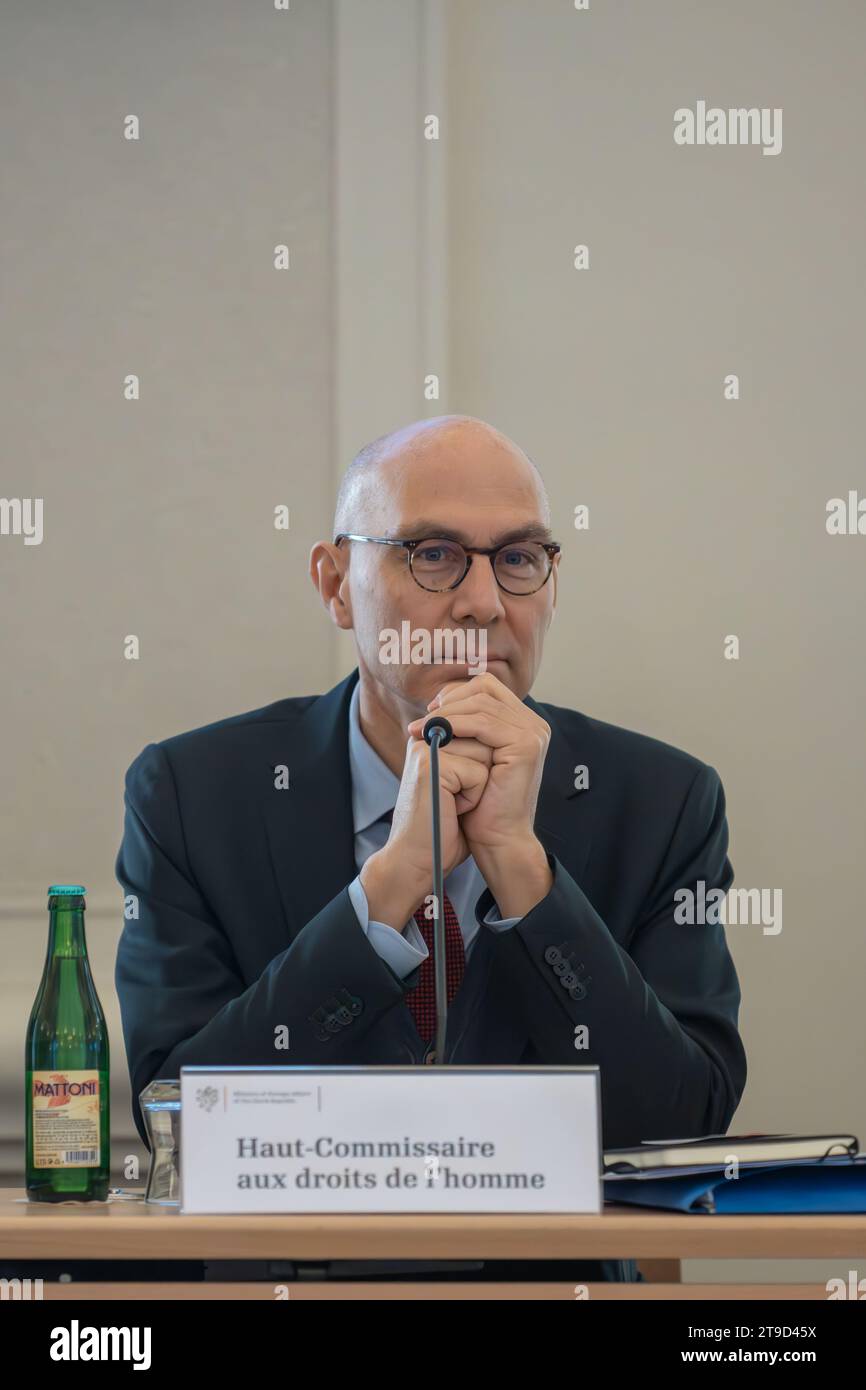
[437,732]
[438,722]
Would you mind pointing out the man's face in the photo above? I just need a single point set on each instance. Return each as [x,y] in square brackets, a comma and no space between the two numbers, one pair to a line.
[477,491]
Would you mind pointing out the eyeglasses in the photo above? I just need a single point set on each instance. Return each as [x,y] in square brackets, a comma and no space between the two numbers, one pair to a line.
[519,567]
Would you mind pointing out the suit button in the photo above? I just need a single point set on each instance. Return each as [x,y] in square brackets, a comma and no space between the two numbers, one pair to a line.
[552,956]
[318,1020]
[430,1055]
[353,1002]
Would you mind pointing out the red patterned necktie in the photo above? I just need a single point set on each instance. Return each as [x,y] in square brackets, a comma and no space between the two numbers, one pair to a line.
[422,999]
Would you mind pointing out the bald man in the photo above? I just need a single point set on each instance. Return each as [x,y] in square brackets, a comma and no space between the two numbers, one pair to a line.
[297,901]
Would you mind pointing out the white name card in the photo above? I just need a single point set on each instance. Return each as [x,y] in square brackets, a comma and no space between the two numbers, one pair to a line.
[389,1139]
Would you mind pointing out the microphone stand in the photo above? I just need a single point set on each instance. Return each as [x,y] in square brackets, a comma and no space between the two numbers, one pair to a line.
[437,732]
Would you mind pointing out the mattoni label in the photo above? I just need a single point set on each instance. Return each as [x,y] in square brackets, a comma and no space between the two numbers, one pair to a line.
[65,1110]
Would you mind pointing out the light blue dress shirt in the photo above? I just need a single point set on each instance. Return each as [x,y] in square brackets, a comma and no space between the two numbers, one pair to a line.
[374,793]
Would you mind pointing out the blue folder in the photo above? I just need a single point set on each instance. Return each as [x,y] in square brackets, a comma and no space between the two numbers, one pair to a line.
[833,1185]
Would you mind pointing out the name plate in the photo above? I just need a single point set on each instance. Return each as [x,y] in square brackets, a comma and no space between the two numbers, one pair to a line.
[390,1139]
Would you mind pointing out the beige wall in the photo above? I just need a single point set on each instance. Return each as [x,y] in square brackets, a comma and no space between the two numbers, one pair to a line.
[707,516]
[152,257]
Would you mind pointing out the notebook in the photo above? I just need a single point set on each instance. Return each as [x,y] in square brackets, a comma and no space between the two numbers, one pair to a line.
[835,1184]
[713,1151]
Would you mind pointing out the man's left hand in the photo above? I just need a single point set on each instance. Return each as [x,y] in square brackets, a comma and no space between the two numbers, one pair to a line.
[499,830]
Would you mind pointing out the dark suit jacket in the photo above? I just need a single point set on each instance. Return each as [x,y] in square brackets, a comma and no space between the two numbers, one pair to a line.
[245,922]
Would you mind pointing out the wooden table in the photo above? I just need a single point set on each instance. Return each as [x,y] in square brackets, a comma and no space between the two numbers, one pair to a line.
[124,1230]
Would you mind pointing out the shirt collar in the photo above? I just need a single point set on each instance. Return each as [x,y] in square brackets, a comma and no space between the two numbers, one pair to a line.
[374,786]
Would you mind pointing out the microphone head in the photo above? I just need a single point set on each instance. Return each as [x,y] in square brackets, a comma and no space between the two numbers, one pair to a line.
[437,722]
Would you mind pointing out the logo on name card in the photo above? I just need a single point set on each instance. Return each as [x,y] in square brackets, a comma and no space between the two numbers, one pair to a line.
[206,1098]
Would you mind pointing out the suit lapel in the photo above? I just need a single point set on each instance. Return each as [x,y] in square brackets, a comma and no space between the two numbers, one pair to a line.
[562,815]
[309,825]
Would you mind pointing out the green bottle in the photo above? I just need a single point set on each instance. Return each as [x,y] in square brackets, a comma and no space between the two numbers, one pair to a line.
[66,1066]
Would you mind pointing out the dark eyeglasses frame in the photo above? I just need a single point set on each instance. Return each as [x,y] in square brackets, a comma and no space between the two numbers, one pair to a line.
[410,546]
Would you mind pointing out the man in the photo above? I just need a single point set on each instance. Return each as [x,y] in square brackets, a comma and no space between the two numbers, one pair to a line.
[264,905]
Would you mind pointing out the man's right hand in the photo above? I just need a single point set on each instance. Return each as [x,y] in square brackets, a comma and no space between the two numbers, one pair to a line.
[398,877]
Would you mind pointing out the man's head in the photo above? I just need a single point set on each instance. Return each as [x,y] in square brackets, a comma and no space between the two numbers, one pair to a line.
[451,477]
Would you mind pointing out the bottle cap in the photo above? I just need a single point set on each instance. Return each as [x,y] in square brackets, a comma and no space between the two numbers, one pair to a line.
[63,889]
